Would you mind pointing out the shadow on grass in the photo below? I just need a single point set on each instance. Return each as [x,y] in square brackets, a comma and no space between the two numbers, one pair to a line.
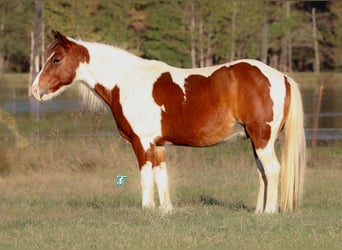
[210,201]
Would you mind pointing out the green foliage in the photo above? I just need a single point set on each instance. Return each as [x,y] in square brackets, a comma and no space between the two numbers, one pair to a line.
[163,30]
[165,36]
[336,34]
[16,20]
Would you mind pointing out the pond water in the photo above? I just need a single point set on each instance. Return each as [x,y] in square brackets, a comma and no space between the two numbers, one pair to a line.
[330,117]
[330,120]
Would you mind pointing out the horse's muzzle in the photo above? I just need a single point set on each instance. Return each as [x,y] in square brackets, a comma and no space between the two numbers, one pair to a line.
[38,93]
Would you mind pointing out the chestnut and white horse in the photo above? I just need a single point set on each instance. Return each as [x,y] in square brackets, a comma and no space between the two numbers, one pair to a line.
[154,103]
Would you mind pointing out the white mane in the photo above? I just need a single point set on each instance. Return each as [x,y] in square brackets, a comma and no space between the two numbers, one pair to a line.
[90,100]
[108,66]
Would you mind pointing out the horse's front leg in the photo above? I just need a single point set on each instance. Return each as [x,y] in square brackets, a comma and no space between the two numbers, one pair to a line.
[161,179]
[145,160]
[146,179]
[152,169]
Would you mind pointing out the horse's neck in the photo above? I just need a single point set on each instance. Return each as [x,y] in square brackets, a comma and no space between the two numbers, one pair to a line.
[111,66]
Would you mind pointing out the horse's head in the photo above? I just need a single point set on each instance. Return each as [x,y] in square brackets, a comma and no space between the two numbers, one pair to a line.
[64,57]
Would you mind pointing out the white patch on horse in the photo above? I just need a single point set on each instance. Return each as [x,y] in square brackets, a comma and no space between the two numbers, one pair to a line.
[142,113]
[105,61]
[135,81]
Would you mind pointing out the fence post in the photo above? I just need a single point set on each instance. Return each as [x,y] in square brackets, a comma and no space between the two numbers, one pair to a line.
[314,137]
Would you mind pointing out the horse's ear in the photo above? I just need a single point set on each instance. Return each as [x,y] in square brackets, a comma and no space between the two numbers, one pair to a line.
[61,38]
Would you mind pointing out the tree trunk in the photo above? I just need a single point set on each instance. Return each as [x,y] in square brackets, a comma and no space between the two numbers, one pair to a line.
[314,28]
[201,45]
[2,63]
[264,39]
[274,61]
[2,55]
[208,57]
[192,34]
[233,30]
[35,56]
[31,65]
[283,54]
[42,46]
[289,39]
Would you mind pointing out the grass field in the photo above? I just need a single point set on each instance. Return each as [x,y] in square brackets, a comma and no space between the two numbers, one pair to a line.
[59,192]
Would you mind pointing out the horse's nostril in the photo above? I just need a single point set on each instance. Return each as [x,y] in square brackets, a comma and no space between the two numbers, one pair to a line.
[43,92]
[38,93]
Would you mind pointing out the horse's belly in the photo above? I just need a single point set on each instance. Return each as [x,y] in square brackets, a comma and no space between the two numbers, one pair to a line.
[236,132]
[207,137]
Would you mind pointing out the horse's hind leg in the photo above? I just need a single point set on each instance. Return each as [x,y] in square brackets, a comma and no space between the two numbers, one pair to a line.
[161,179]
[262,196]
[268,179]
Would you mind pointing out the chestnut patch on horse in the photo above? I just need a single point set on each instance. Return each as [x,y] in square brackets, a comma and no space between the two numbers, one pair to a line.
[159,156]
[254,105]
[104,93]
[213,105]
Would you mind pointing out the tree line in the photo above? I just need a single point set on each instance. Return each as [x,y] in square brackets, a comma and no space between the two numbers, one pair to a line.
[288,35]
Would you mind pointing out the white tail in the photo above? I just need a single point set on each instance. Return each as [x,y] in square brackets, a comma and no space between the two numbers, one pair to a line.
[293,154]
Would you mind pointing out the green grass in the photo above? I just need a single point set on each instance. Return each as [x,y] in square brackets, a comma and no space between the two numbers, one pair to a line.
[14,80]
[85,226]
[65,197]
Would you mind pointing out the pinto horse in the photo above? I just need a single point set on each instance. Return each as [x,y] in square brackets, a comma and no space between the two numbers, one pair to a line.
[154,104]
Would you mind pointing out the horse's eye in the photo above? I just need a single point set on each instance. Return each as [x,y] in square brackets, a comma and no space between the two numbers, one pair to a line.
[56,60]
